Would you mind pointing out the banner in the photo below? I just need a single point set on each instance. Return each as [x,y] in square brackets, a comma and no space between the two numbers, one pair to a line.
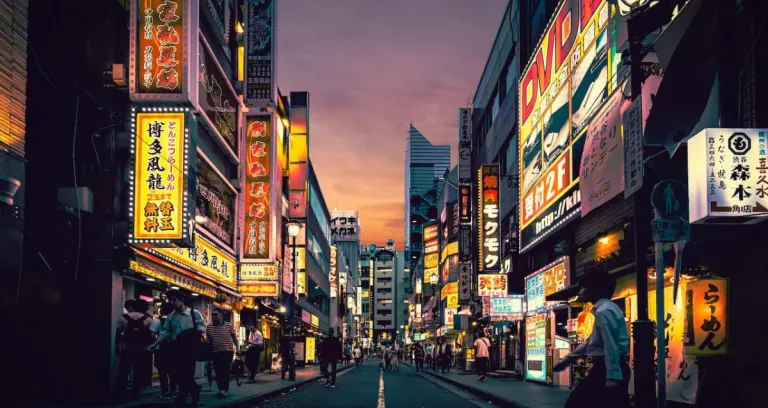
[601,172]
[158,202]
[203,258]
[544,282]
[465,283]
[465,146]
[260,83]
[488,218]
[706,317]
[332,273]
[256,186]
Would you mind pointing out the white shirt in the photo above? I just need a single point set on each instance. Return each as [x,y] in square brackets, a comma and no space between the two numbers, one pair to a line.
[255,338]
[609,338]
[481,347]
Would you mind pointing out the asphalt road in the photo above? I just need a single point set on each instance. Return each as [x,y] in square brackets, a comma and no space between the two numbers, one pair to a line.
[367,386]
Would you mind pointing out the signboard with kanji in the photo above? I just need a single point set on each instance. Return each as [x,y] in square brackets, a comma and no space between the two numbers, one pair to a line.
[345,226]
[488,218]
[257,170]
[260,86]
[706,317]
[544,282]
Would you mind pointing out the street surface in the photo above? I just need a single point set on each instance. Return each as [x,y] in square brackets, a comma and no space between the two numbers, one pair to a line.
[369,387]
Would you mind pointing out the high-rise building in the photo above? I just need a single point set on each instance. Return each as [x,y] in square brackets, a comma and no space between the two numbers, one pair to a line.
[385,285]
[425,166]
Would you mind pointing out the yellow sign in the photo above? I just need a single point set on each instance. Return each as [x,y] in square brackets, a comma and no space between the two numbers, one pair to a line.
[314,320]
[431,261]
[264,327]
[203,258]
[449,289]
[301,256]
[452,302]
[450,249]
[706,317]
[302,283]
[258,289]
[251,272]
[309,350]
[429,272]
[166,275]
[158,202]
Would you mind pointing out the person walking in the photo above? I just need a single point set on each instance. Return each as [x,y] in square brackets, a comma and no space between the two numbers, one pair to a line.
[482,345]
[607,382]
[184,330]
[221,335]
[445,357]
[253,354]
[357,353]
[131,340]
[435,353]
[285,355]
[418,357]
[163,355]
[331,353]
[347,353]
[395,357]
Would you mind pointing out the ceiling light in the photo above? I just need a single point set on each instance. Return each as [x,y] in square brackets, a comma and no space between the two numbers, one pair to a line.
[174,287]
[150,279]
[195,294]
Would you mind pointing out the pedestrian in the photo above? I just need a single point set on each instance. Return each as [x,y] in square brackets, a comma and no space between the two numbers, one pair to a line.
[418,356]
[435,354]
[221,335]
[163,354]
[131,340]
[482,345]
[184,330]
[321,360]
[347,353]
[331,353]
[607,382]
[253,354]
[395,357]
[358,355]
[445,357]
[286,354]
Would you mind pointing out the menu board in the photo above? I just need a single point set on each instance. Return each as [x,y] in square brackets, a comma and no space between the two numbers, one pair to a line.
[536,347]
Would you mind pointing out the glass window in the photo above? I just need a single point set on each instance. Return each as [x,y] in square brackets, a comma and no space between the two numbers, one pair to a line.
[511,156]
[318,210]
[495,107]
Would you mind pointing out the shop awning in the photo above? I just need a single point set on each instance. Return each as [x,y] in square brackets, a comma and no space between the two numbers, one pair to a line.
[153,267]
[686,100]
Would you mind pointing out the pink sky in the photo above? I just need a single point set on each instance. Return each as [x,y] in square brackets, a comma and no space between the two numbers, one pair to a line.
[371,68]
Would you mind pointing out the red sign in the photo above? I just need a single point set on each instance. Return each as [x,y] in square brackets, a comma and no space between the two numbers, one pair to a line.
[160,47]
[488,218]
[256,187]
[547,189]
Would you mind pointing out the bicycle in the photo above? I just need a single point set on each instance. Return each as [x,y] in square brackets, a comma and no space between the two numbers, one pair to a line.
[237,369]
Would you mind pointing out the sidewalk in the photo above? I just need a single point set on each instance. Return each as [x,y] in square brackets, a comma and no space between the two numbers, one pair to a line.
[505,392]
[265,386]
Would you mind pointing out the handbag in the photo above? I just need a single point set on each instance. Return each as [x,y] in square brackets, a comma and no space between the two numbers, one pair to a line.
[192,342]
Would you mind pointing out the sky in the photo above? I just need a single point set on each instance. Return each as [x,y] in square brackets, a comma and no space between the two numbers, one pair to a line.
[371,68]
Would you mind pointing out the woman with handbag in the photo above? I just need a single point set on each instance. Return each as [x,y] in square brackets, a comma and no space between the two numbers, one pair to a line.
[222,337]
[184,330]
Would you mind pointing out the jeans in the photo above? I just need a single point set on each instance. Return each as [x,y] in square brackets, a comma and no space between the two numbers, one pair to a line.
[252,357]
[419,365]
[289,366]
[184,373]
[332,372]
[481,364]
[163,363]
[139,364]
[592,392]
[222,360]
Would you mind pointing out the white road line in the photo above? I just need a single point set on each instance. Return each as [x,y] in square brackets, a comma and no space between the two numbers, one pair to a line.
[381,391]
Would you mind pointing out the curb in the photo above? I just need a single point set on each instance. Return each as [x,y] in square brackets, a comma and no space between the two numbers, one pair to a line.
[249,401]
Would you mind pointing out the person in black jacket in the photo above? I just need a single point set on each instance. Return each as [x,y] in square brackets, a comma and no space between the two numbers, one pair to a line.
[331,355]
[288,365]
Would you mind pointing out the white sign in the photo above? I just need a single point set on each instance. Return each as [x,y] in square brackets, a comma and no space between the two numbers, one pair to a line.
[633,147]
[728,175]
[465,166]
[449,314]
[510,306]
[345,226]
[602,162]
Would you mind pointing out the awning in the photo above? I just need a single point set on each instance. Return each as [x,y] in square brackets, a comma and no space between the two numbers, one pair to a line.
[156,268]
[687,96]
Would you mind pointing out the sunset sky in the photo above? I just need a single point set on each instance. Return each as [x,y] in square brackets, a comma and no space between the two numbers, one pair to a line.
[371,68]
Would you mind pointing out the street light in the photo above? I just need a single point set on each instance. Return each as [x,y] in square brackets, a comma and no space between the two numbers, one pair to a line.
[294,228]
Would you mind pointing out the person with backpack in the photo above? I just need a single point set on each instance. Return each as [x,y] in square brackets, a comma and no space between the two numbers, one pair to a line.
[163,355]
[131,341]
[184,332]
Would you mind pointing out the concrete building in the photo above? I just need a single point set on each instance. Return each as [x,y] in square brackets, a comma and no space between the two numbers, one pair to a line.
[425,166]
[342,222]
[385,290]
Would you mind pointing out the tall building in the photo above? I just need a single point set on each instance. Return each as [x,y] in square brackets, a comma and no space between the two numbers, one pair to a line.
[385,285]
[345,234]
[425,166]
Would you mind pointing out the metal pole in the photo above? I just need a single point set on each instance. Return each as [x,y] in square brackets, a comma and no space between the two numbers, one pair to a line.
[661,358]
[292,375]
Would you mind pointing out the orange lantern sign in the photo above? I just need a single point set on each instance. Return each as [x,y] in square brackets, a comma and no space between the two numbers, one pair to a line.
[706,317]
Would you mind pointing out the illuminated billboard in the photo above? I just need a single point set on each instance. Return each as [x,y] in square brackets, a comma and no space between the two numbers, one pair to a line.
[217,100]
[256,186]
[259,38]
[488,218]
[215,202]
[204,258]
[332,273]
[256,272]
[492,284]
[568,78]
[159,187]
[508,306]
[160,46]
[536,347]
[298,154]
[544,282]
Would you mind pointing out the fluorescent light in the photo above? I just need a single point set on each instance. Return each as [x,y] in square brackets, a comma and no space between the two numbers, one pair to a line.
[195,294]
[150,279]
[175,287]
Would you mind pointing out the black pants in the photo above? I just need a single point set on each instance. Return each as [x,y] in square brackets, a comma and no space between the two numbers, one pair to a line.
[184,373]
[330,371]
[252,357]
[138,364]
[591,391]
[221,362]
[163,364]
[419,365]
[481,365]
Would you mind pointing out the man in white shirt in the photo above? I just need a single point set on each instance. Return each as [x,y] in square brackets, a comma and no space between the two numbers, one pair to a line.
[482,345]
[606,384]
[252,356]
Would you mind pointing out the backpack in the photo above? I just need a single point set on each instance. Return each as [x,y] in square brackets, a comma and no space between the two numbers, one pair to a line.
[136,335]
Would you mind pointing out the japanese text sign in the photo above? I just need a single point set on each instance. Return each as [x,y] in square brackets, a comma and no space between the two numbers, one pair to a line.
[449,289]
[465,282]
[491,284]
[203,258]
[544,282]
[510,306]
[728,175]
[634,167]
[159,52]
[254,272]
[149,268]
[259,289]
[536,347]
[332,273]
[260,30]
[601,172]
[465,204]
[345,226]
[488,218]
[465,146]
[706,317]
[256,186]
[217,98]
[159,185]
[215,202]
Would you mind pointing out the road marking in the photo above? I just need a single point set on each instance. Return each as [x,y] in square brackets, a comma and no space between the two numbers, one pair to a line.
[381,391]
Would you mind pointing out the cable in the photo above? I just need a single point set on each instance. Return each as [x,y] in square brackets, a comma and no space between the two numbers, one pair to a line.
[77,194]
[93,142]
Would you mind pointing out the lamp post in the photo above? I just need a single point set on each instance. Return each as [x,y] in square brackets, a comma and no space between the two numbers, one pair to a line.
[435,281]
[294,228]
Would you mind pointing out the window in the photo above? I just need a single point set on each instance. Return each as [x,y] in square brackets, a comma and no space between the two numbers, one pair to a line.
[511,78]
[495,106]
[318,210]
